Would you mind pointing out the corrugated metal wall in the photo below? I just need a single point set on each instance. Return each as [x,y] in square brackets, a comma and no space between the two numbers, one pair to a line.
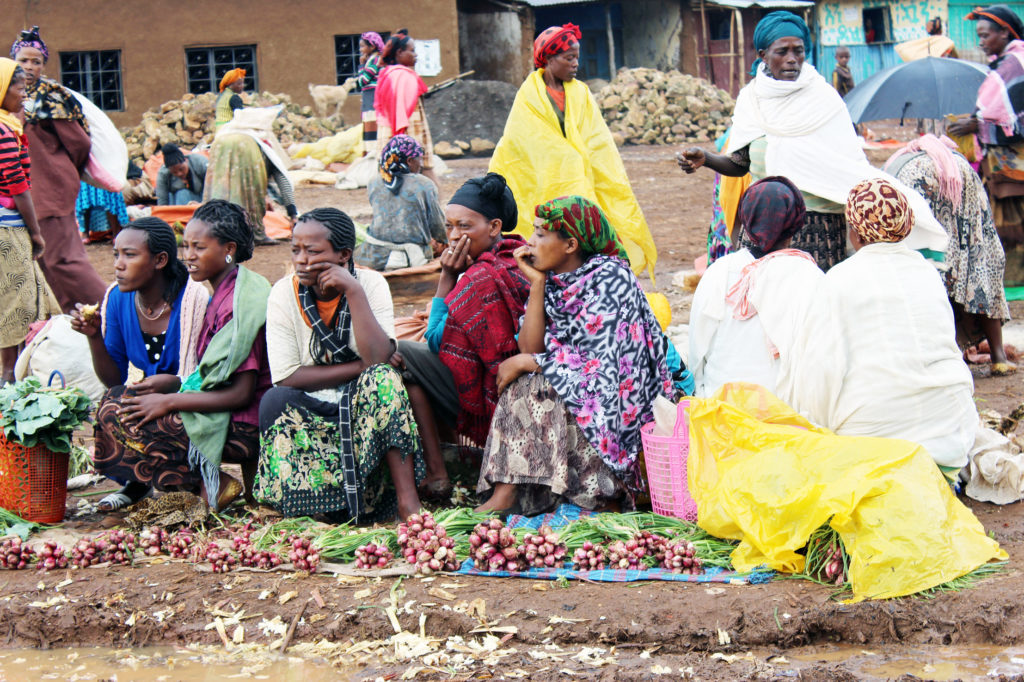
[865,60]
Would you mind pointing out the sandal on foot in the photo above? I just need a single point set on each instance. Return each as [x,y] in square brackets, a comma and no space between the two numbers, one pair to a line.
[1002,369]
[126,496]
[439,490]
[229,493]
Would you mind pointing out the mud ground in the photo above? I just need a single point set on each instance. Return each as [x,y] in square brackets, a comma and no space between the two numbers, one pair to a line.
[645,630]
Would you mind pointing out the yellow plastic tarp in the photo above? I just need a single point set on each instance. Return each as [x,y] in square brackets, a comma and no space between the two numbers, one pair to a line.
[541,164]
[345,146]
[763,475]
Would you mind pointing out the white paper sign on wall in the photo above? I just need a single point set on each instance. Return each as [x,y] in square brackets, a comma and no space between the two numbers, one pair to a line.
[428,57]
[851,15]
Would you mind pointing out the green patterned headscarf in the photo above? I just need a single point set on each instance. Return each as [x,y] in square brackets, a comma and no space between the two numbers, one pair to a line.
[584,220]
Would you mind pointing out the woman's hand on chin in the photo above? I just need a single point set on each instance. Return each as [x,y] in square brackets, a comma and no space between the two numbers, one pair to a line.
[332,278]
[524,259]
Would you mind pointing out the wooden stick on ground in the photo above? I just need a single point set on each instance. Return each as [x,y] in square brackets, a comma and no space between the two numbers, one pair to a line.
[291,628]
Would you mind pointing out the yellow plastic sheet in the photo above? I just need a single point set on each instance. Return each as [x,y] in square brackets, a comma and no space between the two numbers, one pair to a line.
[763,475]
[540,163]
[345,146]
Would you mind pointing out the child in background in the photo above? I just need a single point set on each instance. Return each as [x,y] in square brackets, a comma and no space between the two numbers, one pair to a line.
[842,78]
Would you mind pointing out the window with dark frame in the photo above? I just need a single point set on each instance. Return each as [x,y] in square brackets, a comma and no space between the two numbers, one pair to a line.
[205,66]
[346,55]
[719,24]
[96,74]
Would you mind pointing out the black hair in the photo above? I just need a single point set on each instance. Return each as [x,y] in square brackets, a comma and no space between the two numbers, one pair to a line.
[16,74]
[160,239]
[341,231]
[396,43]
[228,223]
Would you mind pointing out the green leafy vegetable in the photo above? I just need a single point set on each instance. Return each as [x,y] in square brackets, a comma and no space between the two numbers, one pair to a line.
[33,415]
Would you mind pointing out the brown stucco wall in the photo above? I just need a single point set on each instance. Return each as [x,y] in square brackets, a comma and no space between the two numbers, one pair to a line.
[294,38]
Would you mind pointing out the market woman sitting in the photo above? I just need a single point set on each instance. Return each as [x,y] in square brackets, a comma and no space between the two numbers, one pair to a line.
[749,303]
[172,433]
[407,218]
[591,363]
[149,320]
[338,413]
[474,316]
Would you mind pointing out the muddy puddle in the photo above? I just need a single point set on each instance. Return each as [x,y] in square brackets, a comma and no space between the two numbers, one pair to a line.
[973,662]
[162,664]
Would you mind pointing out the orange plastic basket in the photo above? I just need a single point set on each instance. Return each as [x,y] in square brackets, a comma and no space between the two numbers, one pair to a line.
[665,458]
[33,481]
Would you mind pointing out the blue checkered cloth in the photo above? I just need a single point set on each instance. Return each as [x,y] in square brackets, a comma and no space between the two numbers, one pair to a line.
[566,514]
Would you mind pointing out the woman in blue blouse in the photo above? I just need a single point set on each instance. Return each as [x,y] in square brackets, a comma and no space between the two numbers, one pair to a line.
[149,320]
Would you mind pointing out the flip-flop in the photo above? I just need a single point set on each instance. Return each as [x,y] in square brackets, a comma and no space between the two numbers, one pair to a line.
[1002,369]
[114,501]
[229,494]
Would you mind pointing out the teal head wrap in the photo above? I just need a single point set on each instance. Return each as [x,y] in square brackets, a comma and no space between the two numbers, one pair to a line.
[777,25]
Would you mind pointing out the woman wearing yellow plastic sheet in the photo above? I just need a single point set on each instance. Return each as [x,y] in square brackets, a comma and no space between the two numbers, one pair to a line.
[557,144]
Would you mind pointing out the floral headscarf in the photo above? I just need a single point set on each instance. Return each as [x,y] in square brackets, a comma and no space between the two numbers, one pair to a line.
[552,41]
[878,212]
[30,38]
[394,160]
[584,220]
[373,38]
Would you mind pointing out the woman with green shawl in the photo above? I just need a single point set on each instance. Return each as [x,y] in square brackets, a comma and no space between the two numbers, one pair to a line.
[177,440]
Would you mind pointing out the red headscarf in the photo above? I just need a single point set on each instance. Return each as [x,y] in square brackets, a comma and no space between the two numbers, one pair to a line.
[552,41]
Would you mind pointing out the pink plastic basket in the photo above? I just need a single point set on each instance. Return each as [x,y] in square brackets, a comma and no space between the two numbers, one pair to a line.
[665,457]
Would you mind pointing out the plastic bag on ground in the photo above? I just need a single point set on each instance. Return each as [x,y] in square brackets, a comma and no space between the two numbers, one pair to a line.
[764,475]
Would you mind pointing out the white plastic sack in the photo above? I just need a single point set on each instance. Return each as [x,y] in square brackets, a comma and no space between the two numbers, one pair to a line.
[59,347]
[107,167]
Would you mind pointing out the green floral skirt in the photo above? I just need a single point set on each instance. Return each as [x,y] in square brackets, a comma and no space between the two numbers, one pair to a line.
[300,470]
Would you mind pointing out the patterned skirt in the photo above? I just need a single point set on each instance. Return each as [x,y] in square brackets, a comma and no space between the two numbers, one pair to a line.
[536,444]
[823,236]
[369,115]
[238,173]
[156,454]
[25,297]
[300,470]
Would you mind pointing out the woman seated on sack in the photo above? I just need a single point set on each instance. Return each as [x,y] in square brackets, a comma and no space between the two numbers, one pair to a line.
[474,316]
[747,303]
[149,319]
[172,433]
[338,420]
[876,354]
[975,259]
[591,362]
[407,218]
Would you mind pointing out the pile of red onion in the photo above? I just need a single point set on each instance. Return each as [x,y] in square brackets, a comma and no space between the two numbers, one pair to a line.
[493,548]
[374,555]
[302,555]
[426,545]
[543,549]
[681,557]
[15,554]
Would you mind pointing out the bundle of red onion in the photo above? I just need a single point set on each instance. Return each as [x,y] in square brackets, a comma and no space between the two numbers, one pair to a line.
[256,558]
[373,555]
[51,556]
[15,554]
[242,538]
[426,545]
[493,548]
[151,541]
[626,555]
[654,545]
[589,557]
[543,549]
[180,544]
[834,569]
[302,556]
[85,554]
[681,557]
[220,558]
[115,546]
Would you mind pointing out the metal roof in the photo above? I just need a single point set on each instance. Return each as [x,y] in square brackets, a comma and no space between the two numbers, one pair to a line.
[766,4]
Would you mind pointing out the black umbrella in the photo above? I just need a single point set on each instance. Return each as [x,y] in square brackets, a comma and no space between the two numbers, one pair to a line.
[924,88]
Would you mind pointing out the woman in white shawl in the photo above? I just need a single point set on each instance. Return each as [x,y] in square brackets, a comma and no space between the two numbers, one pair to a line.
[876,354]
[749,304]
[789,121]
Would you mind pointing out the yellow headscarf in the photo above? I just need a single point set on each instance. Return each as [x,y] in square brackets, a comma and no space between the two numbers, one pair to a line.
[7,67]
[230,77]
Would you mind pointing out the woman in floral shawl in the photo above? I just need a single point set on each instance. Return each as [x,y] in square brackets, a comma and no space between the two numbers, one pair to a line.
[591,363]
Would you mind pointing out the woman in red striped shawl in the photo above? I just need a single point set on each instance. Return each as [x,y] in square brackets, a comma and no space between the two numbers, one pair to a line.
[474,317]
